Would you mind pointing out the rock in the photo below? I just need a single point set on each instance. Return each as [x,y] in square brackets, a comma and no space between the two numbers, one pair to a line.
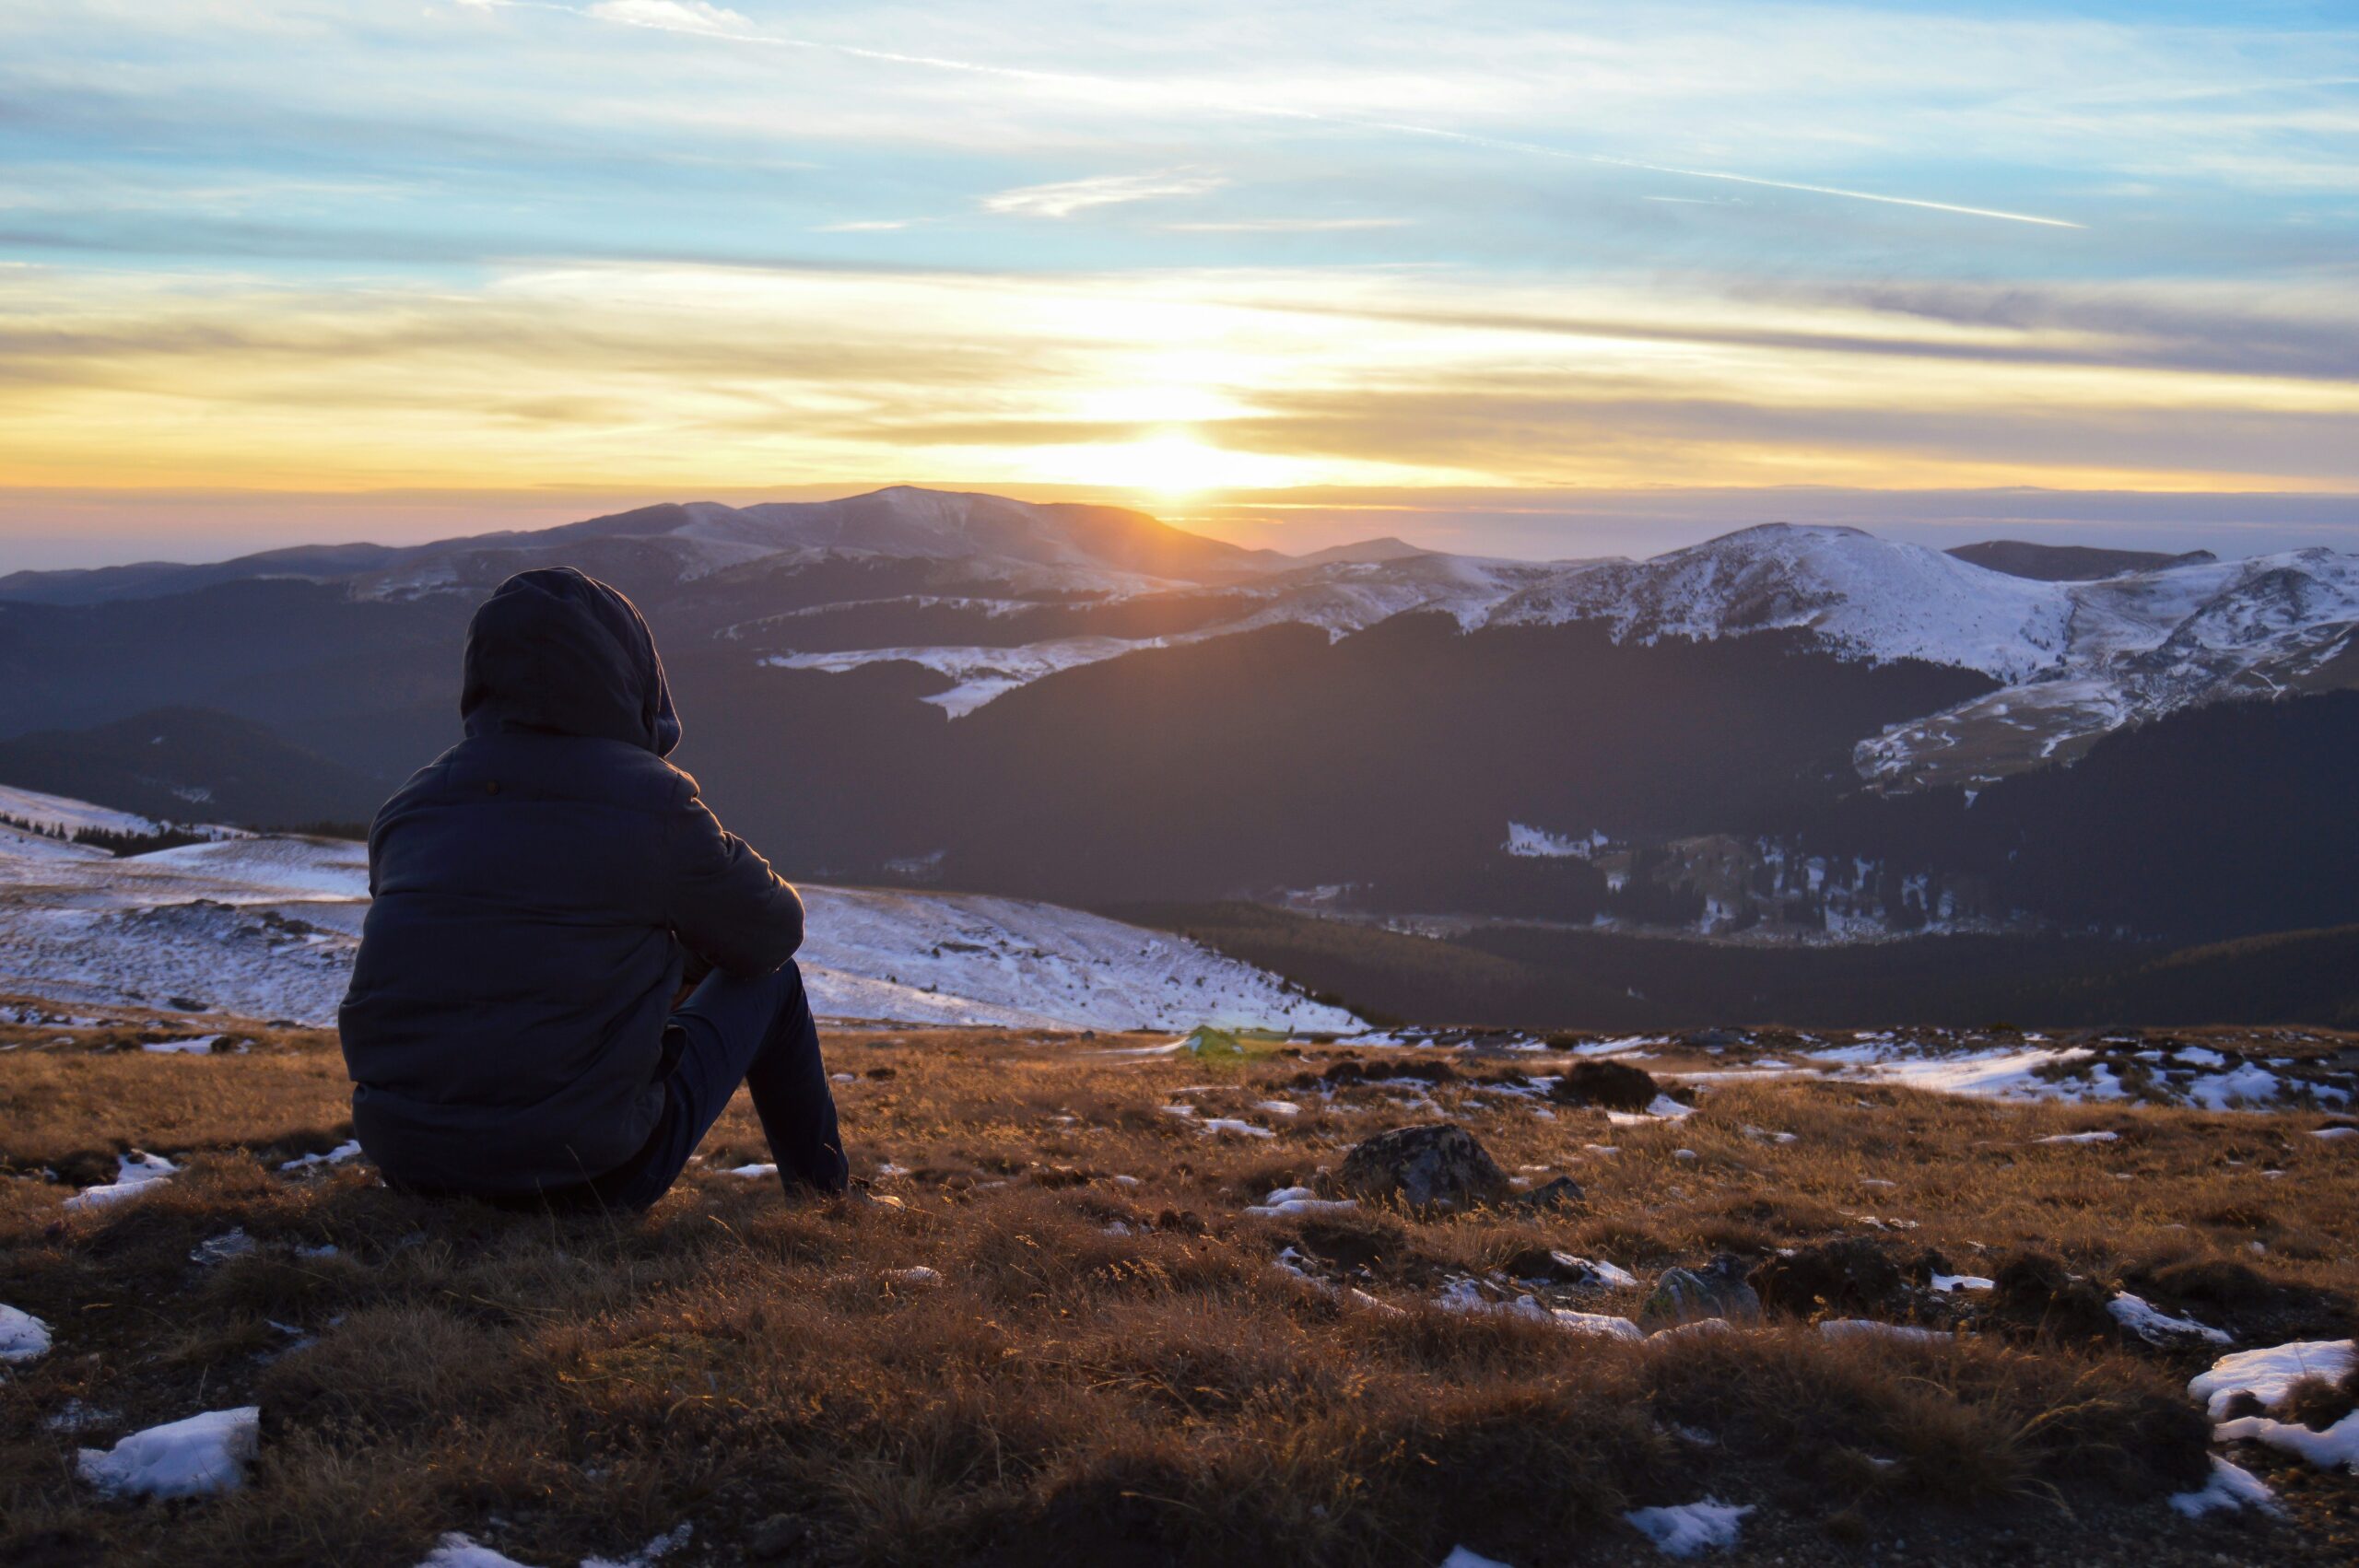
[1557,1193]
[1853,1274]
[1616,1085]
[776,1537]
[2034,1290]
[1436,1165]
[1927,1265]
[1691,1295]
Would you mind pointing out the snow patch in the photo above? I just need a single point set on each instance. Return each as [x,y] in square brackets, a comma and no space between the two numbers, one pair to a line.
[183,1458]
[134,1174]
[1686,1528]
[23,1337]
[2156,1326]
[2230,1488]
[2336,1447]
[348,1150]
[2270,1375]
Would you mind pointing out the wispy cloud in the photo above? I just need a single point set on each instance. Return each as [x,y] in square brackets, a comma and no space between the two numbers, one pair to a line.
[863,226]
[672,15]
[1288,226]
[1064,198]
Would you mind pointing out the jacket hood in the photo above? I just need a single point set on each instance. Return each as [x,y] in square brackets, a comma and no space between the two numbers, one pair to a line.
[555,652]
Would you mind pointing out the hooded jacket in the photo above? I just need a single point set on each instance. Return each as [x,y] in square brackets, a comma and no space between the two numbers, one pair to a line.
[536,889]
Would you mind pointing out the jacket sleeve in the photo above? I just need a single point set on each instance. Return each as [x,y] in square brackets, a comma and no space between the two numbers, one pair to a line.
[725,902]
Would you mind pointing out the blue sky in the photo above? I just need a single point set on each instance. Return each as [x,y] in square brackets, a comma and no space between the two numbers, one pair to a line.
[1547,279]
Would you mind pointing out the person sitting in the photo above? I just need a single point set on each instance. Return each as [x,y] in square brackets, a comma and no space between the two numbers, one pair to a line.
[539,891]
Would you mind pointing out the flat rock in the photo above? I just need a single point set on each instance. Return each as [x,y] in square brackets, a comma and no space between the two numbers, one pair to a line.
[1690,1296]
[1434,1165]
[1853,1274]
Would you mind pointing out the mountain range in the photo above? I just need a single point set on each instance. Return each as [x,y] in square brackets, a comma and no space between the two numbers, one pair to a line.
[1790,731]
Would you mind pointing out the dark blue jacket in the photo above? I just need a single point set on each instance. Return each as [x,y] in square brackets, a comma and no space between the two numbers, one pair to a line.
[536,889]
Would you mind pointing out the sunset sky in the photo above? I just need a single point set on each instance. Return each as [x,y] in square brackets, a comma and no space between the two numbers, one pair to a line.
[1542,279]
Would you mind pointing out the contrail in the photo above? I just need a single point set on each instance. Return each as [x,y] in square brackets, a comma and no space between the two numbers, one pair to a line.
[654,21]
[1540,150]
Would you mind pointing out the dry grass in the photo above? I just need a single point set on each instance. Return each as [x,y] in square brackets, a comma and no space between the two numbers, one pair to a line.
[1115,1371]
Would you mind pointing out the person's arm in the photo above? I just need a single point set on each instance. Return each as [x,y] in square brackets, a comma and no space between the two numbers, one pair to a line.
[726,903]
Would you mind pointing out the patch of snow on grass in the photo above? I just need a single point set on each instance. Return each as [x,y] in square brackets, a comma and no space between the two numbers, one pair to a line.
[456,1551]
[1463,1557]
[1300,1201]
[23,1337]
[2156,1326]
[2229,1488]
[183,1458]
[2336,1447]
[348,1150]
[1946,1282]
[194,1045]
[1466,1295]
[1663,1109]
[2078,1138]
[1687,1529]
[2270,1375]
[2250,1084]
[1604,1322]
[1618,1047]
[135,1172]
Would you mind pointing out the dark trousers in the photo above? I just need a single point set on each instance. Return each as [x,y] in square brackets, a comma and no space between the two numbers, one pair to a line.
[730,1030]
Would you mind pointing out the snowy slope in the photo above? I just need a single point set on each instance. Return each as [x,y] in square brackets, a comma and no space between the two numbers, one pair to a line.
[955,958]
[1867,598]
[57,812]
[266,928]
[2140,646]
[982,673]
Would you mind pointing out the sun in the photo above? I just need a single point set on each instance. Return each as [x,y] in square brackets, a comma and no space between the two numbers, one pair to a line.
[1173,466]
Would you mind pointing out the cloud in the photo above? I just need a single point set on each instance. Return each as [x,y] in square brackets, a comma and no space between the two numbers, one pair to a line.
[673,377]
[671,15]
[1065,197]
[1286,226]
[863,226]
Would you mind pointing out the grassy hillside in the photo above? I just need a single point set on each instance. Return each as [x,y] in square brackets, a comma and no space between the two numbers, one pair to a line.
[1074,1342]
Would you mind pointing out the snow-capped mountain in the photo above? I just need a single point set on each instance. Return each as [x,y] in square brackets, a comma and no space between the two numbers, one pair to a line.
[992,594]
[1865,596]
[2138,647]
